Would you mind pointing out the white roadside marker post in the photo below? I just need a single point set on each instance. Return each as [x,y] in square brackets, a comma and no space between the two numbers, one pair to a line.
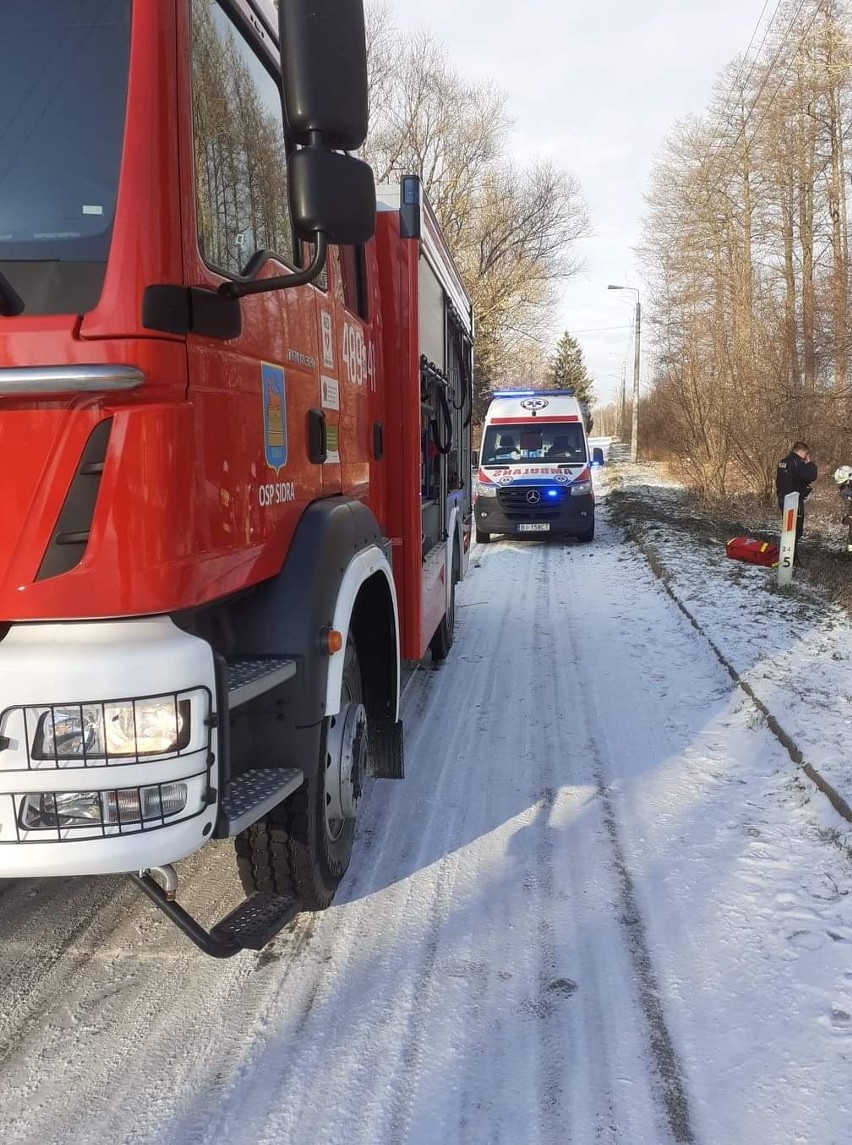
[788,538]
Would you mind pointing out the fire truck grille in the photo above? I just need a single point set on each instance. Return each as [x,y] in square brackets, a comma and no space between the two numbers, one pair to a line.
[532,502]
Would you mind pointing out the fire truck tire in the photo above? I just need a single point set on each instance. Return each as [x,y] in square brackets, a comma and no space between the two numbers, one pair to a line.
[442,641]
[295,850]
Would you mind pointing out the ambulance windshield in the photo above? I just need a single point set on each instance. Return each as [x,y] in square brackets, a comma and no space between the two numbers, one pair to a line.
[560,443]
[63,92]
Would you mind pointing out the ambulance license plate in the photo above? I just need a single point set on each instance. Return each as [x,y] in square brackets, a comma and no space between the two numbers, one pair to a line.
[536,527]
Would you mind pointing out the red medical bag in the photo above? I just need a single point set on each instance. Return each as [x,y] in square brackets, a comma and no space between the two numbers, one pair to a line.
[753,550]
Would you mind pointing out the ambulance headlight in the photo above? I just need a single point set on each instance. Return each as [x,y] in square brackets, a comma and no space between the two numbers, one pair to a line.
[128,729]
[581,488]
[483,490]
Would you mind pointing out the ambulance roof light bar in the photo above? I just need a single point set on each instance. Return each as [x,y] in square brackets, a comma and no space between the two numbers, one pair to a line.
[533,393]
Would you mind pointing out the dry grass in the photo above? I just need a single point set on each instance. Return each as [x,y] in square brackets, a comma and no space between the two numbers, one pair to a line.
[825,565]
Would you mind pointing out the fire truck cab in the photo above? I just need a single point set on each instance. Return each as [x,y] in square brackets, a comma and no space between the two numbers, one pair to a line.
[234,433]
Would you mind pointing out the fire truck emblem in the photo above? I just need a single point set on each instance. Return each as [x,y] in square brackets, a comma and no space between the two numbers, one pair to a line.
[274,416]
[535,403]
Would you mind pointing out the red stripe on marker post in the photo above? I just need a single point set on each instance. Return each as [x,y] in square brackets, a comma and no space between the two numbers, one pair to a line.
[791,520]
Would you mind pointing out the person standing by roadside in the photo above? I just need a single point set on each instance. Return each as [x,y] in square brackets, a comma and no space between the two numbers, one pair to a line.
[795,474]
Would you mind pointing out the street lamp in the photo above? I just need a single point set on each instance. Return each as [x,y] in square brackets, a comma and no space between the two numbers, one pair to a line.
[634,435]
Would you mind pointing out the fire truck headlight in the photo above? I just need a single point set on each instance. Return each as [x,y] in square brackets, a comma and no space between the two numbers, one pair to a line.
[581,488]
[58,810]
[483,490]
[124,729]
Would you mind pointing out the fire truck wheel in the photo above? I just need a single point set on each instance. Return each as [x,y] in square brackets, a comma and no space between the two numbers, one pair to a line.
[303,847]
[442,641]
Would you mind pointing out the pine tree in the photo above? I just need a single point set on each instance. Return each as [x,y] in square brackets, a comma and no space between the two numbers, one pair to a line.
[568,371]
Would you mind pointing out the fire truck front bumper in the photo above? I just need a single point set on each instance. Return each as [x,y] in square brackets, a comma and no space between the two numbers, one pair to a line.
[107,747]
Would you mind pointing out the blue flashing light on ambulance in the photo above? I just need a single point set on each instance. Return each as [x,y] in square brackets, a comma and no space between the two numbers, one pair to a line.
[534,473]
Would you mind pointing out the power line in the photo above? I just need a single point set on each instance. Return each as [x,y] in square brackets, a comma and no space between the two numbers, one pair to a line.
[736,80]
[718,185]
[601,329]
[811,23]
[754,103]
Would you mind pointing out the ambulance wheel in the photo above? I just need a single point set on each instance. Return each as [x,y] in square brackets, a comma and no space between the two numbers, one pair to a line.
[442,641]
[588,536]
[303,847]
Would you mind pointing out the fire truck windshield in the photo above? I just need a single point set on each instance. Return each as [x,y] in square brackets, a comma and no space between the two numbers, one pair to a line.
[63,88]
[557,442]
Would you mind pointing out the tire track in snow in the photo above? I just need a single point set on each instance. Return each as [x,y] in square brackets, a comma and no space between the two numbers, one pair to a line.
[584,1026]
[672,1084]
[552,1095]
[401,1113]
[395,1048]
[590,1021]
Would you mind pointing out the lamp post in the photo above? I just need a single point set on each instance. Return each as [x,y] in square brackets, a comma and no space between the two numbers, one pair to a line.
[634,434]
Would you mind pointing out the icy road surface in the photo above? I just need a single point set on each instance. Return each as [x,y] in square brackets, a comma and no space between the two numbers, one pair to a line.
[601,908]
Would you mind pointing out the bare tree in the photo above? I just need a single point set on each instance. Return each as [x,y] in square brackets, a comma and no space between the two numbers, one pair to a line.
[513,229]
[746,247]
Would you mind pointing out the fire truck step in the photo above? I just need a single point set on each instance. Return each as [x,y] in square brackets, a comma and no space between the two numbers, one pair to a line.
[256,921]
[251,795]
[251,676]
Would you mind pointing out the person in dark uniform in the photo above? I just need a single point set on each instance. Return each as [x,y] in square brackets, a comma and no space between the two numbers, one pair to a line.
[795,474]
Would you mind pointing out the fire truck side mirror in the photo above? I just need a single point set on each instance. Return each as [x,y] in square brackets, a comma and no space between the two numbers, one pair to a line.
[332,194]
[324,69]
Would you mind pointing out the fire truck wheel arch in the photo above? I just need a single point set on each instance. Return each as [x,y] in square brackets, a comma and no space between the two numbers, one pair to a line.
[336,575]
[369,565]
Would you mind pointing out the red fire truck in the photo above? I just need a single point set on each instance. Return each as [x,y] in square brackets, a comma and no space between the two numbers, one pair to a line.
[235,396]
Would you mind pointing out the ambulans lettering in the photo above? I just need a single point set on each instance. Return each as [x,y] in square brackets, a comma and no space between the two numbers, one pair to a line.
[276,493]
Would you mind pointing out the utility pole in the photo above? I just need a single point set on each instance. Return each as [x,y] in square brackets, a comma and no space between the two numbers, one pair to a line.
[634,430]
[634,433]
[622,412]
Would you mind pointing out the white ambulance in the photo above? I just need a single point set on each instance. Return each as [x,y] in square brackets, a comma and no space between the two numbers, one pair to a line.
[534,474]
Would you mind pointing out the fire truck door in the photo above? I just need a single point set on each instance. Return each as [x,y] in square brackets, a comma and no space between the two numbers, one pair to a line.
[252,393]
[354,358]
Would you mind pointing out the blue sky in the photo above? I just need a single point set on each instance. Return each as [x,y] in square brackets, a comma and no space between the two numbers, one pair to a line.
[596,87]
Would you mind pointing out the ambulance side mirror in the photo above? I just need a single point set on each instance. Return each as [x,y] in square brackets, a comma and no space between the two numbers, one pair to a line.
[474,459]
[324,72]
[597,456]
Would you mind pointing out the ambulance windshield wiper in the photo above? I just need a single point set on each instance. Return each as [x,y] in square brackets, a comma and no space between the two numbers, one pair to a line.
[11,303]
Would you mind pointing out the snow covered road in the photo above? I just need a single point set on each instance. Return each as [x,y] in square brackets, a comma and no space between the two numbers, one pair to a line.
[601,908]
